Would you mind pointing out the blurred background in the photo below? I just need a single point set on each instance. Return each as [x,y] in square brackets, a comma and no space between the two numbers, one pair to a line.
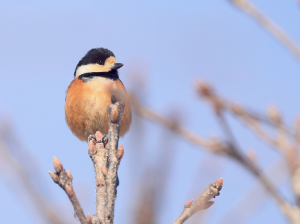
[166,46]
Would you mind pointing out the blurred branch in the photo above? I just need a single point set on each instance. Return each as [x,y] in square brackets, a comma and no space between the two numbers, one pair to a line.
[230,148]
[291,212]
[247,163]
[254,198]
[254,120]
[273,117]
[146,210]
[280,142]
[269,25]
[286,141]
[44,208]
[212,145]
[203,202]
[64,180]
[155,177]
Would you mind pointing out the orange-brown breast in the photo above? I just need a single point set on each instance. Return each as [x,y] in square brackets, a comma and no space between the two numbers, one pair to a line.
[86,106]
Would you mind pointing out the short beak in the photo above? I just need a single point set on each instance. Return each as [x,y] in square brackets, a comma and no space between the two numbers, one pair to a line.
[116,66]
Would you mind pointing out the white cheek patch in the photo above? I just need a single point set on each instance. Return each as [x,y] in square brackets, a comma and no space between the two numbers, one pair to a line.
[91,68]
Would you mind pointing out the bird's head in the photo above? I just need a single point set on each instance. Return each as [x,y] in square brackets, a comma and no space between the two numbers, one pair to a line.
[100,61]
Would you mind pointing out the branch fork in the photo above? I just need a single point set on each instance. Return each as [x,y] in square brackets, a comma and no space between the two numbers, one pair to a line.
[64,180]
[106,157]
[203,202]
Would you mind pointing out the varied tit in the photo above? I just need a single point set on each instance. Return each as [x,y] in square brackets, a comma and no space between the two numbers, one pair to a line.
[96,78]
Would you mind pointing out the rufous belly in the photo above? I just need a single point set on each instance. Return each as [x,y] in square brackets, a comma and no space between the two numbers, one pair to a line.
[86,106]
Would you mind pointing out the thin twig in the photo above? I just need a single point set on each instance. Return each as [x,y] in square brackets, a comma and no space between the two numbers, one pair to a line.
[98,154]
[246,162]
[265,136]
[228,149]
[269,25]
[291,212]
[287,140]
[64,180]
[212,145]
[254,198]
[203,202]
[114,156]
[274,120]
[254,120]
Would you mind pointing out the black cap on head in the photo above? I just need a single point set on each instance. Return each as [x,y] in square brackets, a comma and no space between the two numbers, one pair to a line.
[95,56]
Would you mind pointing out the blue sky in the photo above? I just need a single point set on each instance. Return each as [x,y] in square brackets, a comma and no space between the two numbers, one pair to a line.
[171,44]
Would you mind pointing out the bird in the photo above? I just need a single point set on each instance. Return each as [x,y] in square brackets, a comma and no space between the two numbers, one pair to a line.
[96,82]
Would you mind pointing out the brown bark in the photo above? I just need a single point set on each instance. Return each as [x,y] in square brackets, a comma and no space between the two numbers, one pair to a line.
[64,180]
[114,155]
[203,202]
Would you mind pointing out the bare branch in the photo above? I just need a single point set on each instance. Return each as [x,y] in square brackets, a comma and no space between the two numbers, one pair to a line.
[248,164]
[212,145]
[95,220]
[286,141]
[275,121]
[273,118]
[254,120]
[98,154]
[64,180]
[255,196]
[203,202]
[292,213]
[293,162]
[230,149]
[114,155]
[106,159]
[269,25]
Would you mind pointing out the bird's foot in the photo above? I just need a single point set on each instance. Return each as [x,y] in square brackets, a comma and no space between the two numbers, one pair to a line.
[91,137]
[98,138]
[105,139]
